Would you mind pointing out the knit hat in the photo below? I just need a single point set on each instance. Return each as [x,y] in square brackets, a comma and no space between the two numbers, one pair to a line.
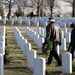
[72,25]
[52,20]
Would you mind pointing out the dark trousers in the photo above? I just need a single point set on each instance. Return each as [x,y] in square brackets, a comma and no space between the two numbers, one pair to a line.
[54,54]
[72,51]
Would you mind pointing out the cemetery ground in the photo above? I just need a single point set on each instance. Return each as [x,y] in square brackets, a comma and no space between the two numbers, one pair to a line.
[17,64]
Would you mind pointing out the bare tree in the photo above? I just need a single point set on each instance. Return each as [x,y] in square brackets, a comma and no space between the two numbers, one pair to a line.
[73,7]
[8,4]
[23,4]
[38,4]
[1,7]
[51,5]
[73,11]
[72,2]
[18,3]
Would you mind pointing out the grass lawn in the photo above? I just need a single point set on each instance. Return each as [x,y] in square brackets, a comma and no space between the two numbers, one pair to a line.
[17,65]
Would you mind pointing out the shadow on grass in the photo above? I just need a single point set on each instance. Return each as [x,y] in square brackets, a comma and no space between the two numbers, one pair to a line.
[25,69]
[17,58]
[56,73]
[15,68]
[40,53]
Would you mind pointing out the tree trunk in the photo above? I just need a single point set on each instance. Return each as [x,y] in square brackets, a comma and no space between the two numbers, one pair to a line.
[73,11]
[42,9]
[51,9]
[10,10]
[38,11]
[9,13]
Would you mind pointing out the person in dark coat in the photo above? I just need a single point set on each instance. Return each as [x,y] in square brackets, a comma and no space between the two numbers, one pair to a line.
[71,47]
[53,34]
[31,14]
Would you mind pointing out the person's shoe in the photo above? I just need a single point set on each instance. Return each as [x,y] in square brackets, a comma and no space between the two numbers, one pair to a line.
[59,65]
[48,63]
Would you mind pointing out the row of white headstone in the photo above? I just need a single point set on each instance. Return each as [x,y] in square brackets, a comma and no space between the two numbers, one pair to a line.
[34,21]
[2,49]
[19,20]
[34,36]
[32,59]
[40,20]
[60,21]
[27,21]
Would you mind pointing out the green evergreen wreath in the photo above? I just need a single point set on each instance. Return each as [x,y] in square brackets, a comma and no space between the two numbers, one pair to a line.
[47,48]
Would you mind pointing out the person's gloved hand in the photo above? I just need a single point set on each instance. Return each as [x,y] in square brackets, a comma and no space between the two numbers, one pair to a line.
[43,45]
[59,43]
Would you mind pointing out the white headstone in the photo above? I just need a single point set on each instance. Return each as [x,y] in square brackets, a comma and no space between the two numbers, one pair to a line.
[31,54]
[20,20]
[27,47]
[58,49]
[37,38]
[65,31]
[12,21]
[42,32]
[62,34]
[2,48]
[4,20]
[66,63]
[39,66]
[68,37]
[1,65]
[23,45]
[63,45]
[65,25]
[39,30]
[40,41]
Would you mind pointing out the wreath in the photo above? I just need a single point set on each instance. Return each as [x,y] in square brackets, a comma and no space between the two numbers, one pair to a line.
[47,48]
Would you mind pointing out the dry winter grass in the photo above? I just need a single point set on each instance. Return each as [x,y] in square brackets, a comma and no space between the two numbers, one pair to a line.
[17,65]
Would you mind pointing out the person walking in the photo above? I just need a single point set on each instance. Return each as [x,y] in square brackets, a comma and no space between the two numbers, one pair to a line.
[71,47]
[53,34]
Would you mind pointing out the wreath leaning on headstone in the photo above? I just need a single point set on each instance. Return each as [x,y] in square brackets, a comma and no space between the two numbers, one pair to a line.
[47,47]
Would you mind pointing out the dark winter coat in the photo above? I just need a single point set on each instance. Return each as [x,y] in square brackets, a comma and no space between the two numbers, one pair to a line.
[73,36]
[53,33]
